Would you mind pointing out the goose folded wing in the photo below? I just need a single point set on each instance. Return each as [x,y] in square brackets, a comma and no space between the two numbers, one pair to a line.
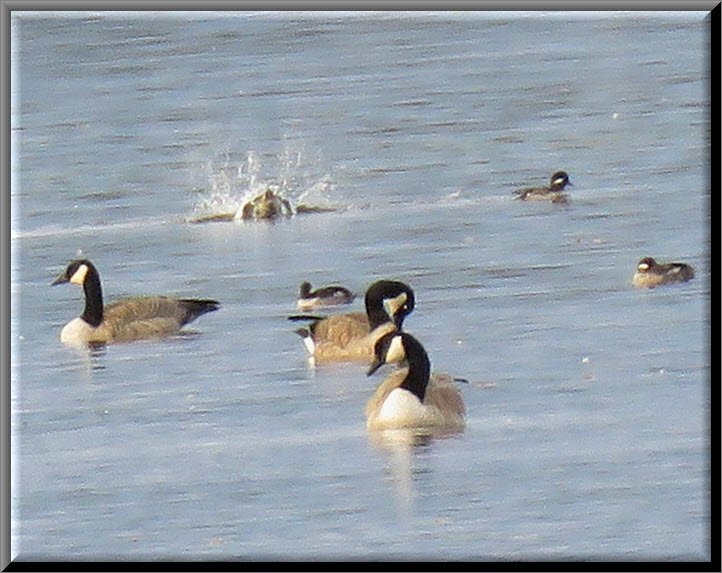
[342,328]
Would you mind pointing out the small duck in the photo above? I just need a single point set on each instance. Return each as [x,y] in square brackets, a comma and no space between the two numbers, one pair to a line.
[410,397]
[126,319]
[650,273]
[325,296]
[350,337]
[553,193]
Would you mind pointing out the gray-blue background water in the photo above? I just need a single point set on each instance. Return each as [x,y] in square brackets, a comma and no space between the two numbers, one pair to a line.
[588,410]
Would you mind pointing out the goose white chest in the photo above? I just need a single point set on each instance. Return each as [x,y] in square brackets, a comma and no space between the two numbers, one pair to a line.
[77,332]
[402,408]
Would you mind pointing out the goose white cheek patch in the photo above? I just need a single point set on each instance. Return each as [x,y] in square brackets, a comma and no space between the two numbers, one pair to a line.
[78,277]
[396,352]
[394,304]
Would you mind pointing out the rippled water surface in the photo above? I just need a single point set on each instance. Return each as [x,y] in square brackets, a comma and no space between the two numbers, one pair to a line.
[588,410]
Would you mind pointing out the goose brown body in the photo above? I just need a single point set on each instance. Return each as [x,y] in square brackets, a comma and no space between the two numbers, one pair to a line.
[355,349]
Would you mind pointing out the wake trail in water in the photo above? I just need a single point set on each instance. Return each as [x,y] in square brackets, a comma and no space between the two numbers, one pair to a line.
[93,228]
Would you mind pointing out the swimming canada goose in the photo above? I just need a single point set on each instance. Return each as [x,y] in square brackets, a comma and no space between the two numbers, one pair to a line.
[650,273]
[350,337]
[325,296]
[269,204]
[126,319]
[409,398]
[553,193]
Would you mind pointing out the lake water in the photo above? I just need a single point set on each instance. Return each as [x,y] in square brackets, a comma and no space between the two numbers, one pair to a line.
[588,400]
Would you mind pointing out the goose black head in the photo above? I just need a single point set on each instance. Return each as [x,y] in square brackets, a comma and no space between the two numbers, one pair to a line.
[76,272]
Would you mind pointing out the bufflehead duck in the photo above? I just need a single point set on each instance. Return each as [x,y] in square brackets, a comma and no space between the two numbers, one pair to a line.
[553,193]
[650,273]
[325,296]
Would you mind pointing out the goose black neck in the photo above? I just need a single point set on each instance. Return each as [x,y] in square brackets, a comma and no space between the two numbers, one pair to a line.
[417,379]
[377,315]
[375,310]
[93,313]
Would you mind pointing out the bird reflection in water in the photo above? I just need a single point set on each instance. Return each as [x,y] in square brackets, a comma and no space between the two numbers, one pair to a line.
[400,447]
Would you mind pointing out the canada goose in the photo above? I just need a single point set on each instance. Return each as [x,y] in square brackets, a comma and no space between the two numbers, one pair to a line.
[126,319]
[650,273]
[268,205]
[408,398]
[350,337]
[553,193]
[325,296]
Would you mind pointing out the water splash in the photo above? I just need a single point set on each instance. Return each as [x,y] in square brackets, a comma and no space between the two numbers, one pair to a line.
[291,174]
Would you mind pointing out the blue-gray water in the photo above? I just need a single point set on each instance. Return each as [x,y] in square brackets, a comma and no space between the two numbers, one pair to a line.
[588,410]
